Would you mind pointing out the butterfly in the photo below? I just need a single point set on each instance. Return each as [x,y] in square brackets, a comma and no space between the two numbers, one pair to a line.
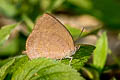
[50,38]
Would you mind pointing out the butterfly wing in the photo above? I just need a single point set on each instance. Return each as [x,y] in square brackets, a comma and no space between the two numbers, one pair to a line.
[50,39]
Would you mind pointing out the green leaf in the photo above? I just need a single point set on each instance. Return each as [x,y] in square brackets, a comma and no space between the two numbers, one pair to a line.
[45,69]
[5,32]
[81,56]
[100,53]
[19,61]
[4,69]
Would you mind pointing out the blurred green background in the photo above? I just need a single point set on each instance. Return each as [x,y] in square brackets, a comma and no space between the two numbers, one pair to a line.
[106,11]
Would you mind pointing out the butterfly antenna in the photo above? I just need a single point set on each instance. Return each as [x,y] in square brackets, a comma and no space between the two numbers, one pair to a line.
[79,35]
[81,32]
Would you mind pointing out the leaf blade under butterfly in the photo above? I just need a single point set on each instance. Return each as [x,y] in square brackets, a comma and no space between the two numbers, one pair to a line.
[46,69]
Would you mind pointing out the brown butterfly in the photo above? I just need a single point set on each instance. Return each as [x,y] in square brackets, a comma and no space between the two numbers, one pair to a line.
[49,39]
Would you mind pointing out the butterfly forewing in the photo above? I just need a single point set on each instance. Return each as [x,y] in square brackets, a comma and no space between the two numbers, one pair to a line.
[50,39]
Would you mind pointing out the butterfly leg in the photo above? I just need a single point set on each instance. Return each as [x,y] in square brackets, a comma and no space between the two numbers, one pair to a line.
[70,59]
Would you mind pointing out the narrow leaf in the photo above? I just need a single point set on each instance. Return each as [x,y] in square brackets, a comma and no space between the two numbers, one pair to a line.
[100,53]
[28,22]
[91,72]
[5,32]
[49,5]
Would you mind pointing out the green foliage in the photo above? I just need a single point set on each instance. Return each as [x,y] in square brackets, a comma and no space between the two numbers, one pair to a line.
[4,69]
[100,53]
[12,64]
[20,67]
[19,61]
[80,57]
[5,32]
